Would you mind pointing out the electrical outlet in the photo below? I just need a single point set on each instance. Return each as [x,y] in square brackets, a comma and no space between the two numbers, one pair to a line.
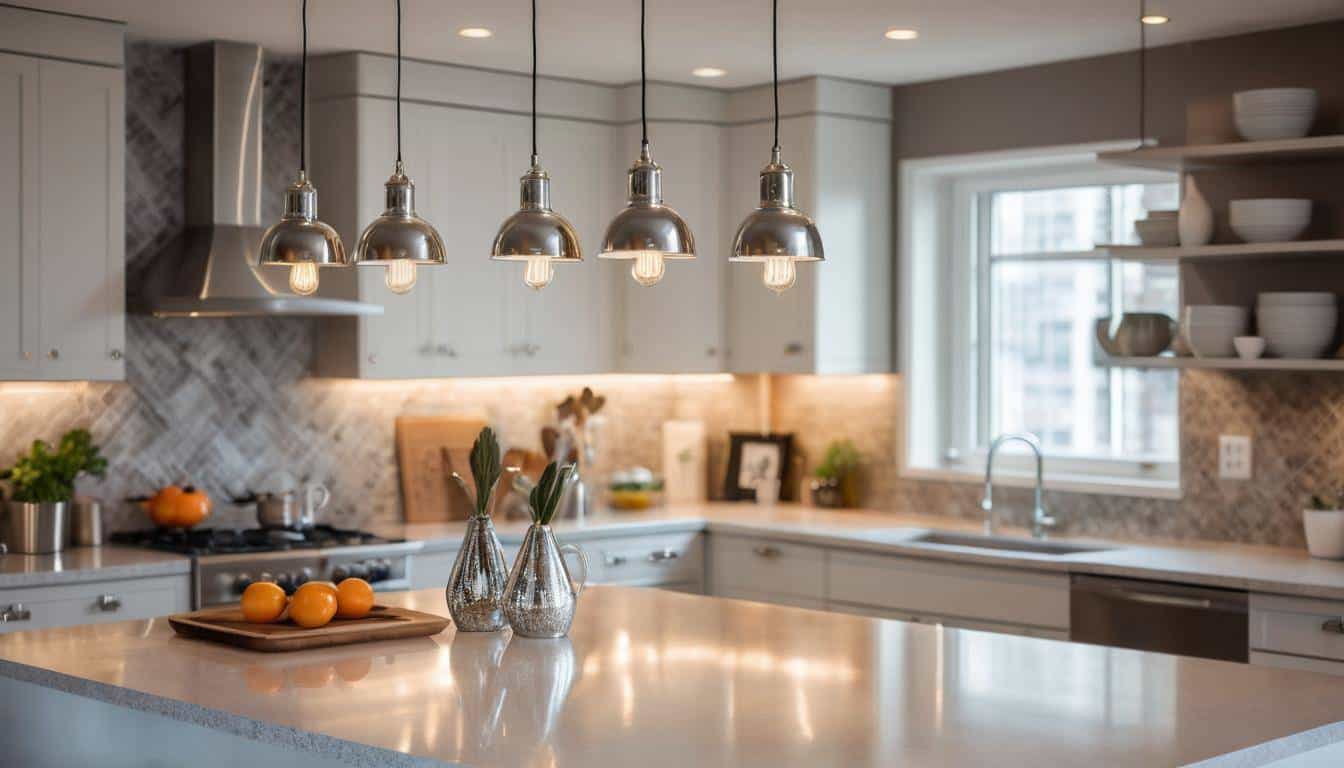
[1234,457]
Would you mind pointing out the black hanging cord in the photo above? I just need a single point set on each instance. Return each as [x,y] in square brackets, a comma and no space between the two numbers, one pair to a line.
[1143,72]
[643,81]
[534,78]
[774,46]
[398,82]
[303,95]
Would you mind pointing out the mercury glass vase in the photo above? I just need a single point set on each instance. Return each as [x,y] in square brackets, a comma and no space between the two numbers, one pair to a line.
[540,597]
[476,587]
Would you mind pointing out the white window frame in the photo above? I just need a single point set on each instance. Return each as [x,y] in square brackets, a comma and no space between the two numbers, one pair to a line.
[937,256]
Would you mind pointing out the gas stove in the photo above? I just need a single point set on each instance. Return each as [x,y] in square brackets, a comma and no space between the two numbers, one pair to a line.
[226,561]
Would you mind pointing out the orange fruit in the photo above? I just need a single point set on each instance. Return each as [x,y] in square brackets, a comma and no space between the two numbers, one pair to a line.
[354,598]
[263,602]
[312,608]
[327,585]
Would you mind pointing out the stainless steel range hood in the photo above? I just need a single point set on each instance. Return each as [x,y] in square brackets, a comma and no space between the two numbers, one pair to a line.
[211,270]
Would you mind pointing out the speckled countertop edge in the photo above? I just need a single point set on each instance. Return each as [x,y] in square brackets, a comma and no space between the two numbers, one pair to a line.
[1278,749]
[349,752]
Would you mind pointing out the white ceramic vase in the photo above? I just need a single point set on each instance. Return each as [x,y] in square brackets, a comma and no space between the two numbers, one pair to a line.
[1325,532]
[1195,220]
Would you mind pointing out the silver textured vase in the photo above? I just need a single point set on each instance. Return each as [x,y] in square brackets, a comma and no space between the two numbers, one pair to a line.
[540,597]
[476,587]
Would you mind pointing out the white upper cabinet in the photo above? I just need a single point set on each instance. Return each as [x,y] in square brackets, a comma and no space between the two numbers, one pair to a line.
[62,216]
[467,141]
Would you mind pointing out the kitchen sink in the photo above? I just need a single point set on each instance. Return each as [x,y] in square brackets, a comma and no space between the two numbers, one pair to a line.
[1002,543]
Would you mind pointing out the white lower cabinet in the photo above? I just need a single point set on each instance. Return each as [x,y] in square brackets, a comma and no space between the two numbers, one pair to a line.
[1297,633]
[93,602]
[772,571]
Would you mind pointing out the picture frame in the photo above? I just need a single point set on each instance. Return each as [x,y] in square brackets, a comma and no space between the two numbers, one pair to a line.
[753,457]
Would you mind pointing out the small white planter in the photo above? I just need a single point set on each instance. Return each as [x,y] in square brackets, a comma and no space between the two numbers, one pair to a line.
[1325,532]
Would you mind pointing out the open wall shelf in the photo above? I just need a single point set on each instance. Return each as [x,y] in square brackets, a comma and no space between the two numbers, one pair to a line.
[1201,156]
[1226,252]
[1226,363]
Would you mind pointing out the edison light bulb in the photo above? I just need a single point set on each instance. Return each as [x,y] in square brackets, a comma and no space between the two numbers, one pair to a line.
[303,278]
[648,268]
[780,274]
[400,276]
[539,272]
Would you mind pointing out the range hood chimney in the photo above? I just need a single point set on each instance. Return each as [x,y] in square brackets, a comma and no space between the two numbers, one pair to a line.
[211,270]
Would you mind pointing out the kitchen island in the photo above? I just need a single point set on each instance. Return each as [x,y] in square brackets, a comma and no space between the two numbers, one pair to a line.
[647,678]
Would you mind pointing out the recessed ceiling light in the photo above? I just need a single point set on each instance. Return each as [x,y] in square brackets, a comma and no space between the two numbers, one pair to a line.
[709,72]
[475,33]
[1154,18]
[896,33]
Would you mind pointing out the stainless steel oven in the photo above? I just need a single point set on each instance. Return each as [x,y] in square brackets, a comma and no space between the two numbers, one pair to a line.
[1159,616]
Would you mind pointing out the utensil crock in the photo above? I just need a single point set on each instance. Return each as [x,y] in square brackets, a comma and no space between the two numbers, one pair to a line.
[540,597]
[475,590]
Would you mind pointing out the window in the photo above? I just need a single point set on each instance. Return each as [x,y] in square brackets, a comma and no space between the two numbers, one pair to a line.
[1021,290]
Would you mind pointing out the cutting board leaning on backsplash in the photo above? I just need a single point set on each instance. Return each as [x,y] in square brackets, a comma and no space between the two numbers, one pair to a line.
[428,494]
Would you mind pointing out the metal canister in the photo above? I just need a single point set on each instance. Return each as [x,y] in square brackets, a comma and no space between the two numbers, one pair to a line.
[86,524]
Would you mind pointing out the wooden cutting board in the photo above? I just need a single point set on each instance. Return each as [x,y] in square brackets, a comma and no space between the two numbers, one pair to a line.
[227,625]
[428,495]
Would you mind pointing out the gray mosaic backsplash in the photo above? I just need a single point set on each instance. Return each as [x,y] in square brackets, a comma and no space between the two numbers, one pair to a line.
[223,403]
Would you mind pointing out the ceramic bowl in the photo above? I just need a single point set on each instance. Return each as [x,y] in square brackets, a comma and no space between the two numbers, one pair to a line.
[1297,331]
[1158,233]
[1249,347]
[1269,220]
[1269,114]
[1295,299]
[1325,532]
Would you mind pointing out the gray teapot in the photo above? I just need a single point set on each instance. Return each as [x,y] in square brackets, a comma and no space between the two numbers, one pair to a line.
[1139,334]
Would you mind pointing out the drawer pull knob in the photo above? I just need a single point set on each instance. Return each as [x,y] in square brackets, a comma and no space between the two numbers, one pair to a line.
[1334,625]
[765,551]
[612,561]
[108,603]
[15,612]
[663,555]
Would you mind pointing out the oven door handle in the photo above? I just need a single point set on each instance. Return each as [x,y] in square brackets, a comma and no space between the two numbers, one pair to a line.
[1177,601]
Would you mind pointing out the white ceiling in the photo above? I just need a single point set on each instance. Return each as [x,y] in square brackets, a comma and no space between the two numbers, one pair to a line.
[598,39]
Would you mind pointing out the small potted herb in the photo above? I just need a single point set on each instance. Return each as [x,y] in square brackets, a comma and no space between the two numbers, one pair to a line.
[836,479]
[1323,521]
[41,488]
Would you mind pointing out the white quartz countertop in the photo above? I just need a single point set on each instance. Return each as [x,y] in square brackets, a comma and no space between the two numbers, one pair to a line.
[1262,569]
[81,564]
[655,678]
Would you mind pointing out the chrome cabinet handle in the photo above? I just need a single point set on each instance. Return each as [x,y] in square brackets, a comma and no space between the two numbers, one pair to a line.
[54,354]
[663,555]
[108,603]
[445,350]
[15,612]
[765,551]
[612,561]
[793,348]
[115,354]
[1335,626]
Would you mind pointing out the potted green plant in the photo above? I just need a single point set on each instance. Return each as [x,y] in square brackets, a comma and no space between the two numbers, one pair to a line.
[1323,521]
[836,479]
[41,488]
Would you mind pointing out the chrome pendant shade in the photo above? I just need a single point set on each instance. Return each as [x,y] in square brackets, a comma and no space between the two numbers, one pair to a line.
[536,234]
[399,239]
[776,233]
[299,240]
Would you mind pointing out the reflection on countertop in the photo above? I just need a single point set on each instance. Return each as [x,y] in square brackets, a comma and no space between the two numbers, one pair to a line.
[655,678]
[1233,566]
[81,564]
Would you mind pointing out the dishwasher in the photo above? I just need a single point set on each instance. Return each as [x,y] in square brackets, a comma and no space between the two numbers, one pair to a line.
[1159,616]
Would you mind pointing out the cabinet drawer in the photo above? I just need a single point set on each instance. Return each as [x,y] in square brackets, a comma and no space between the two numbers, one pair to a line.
[773,598]
[647,560]
[68,605]
[921,587]
[766,567]
[1298,626]
[1300,663]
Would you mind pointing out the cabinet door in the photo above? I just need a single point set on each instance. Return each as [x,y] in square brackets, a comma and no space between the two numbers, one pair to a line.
[19,181]
[769,332]
[82,218]
[678,326]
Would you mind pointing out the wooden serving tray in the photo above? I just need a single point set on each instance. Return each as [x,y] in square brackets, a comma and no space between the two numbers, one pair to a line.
[227,625]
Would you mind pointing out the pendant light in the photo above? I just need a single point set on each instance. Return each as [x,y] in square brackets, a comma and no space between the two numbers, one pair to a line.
[646,232]
[776,233]
[399,240]
[299,240]
[536,234]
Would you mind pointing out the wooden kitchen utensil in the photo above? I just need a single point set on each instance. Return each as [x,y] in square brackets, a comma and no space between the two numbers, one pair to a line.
[428,493]
[227,625]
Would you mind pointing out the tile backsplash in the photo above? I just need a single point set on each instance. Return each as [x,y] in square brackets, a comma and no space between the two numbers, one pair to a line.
[223,403]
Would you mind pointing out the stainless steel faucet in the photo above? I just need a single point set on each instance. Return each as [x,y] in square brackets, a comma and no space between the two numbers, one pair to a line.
[1039,519]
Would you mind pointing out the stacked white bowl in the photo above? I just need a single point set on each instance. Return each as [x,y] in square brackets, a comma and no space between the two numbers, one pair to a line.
[1297,324]
[1210,328]
[1269,219]
[1158,229]
[1274,113]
